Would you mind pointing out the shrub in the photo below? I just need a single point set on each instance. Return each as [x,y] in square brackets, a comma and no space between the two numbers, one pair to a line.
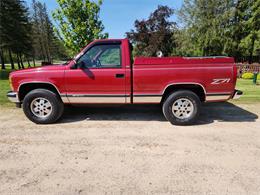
[248,75]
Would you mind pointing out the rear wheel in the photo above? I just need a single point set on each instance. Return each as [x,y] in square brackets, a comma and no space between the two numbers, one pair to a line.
[42,106]
[182,107]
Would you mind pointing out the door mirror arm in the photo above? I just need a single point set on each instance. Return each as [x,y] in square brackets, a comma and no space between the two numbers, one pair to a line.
[74,66]
[79,65]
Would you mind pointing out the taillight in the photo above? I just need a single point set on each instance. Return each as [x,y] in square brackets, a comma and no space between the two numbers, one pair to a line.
[235,74]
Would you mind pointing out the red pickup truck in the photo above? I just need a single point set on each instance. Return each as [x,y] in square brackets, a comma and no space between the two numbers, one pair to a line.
[103,73]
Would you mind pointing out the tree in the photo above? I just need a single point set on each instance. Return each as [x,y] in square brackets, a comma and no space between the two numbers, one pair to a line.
[78,22]
[236,28]
[250,44]
[203,22]
[5,26]
[46,45]
[15,28]
[22,43]
[219,27]
[154,34]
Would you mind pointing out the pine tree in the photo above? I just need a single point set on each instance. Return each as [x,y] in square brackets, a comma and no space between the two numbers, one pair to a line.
[219,27]
[5,26]
[236,29]
[46,44]
[15,28]
[250,44]
[203,25]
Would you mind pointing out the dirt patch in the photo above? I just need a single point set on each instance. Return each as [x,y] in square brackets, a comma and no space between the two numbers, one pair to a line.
[131,150]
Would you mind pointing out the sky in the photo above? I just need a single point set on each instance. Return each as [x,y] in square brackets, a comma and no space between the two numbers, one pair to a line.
[118,16]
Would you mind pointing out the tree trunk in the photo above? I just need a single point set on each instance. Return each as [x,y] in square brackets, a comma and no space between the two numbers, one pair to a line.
[2,59]
[29,65]
[49,58]
[251,50]
[11,59]
[21,60]
[18,61]
[33,61]
[48,53]
[42,51]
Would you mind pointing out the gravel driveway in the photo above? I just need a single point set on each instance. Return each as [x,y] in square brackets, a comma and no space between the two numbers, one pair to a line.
[131,150]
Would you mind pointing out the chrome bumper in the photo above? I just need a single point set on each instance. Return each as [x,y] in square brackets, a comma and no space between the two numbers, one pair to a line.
[13,97]
[237,94]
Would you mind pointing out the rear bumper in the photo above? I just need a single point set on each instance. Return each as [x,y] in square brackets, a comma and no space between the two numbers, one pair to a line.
[237,94]
[13,97]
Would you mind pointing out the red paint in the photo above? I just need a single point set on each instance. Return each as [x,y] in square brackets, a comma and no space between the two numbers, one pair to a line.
[150,75]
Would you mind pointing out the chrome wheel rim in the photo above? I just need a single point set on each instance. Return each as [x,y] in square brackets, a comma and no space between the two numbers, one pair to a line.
[41,107]
[182,108]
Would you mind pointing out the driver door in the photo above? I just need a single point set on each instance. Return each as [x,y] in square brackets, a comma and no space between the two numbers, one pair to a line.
[98,76]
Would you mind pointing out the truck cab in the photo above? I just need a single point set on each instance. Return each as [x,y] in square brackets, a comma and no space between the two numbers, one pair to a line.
[101,73]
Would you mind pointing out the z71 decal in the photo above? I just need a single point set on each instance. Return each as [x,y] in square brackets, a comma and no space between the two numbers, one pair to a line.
[220,81]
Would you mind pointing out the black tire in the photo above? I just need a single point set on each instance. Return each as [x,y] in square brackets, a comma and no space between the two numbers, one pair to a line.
[57,106]
[182,95]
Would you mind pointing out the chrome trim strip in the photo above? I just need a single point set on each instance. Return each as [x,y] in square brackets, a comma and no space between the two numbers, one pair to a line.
[219,93]
[65,99]
[216,97]
[110,98]
[97,100]
[128,99]
[146,95]
[95,95]
[147,98]
[13,97]
[39,82]
[185,83]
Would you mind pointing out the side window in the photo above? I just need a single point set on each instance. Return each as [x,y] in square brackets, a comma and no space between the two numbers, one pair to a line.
[102,56]
[111,57]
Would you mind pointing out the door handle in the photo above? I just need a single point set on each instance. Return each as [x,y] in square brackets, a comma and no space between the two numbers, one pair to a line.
[120,75]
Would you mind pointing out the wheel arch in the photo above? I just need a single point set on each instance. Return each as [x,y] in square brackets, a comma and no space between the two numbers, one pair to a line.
[26,87]
[197,88]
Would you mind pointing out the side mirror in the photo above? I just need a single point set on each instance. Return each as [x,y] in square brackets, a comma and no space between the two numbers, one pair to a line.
[80,65]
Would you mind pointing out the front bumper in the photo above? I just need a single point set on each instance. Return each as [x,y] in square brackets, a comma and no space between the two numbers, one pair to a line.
[13,97]
[237,94]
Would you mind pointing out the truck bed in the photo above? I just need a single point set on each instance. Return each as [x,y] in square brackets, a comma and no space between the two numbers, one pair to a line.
[152,76]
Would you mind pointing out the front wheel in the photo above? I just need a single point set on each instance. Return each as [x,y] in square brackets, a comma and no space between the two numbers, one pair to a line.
[182,107]
[42,106]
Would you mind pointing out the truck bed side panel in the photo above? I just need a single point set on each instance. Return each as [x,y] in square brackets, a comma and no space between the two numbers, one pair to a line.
[149,82]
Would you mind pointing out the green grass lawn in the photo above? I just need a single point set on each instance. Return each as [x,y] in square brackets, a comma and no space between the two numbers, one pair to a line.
[251,92]
[4,88]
